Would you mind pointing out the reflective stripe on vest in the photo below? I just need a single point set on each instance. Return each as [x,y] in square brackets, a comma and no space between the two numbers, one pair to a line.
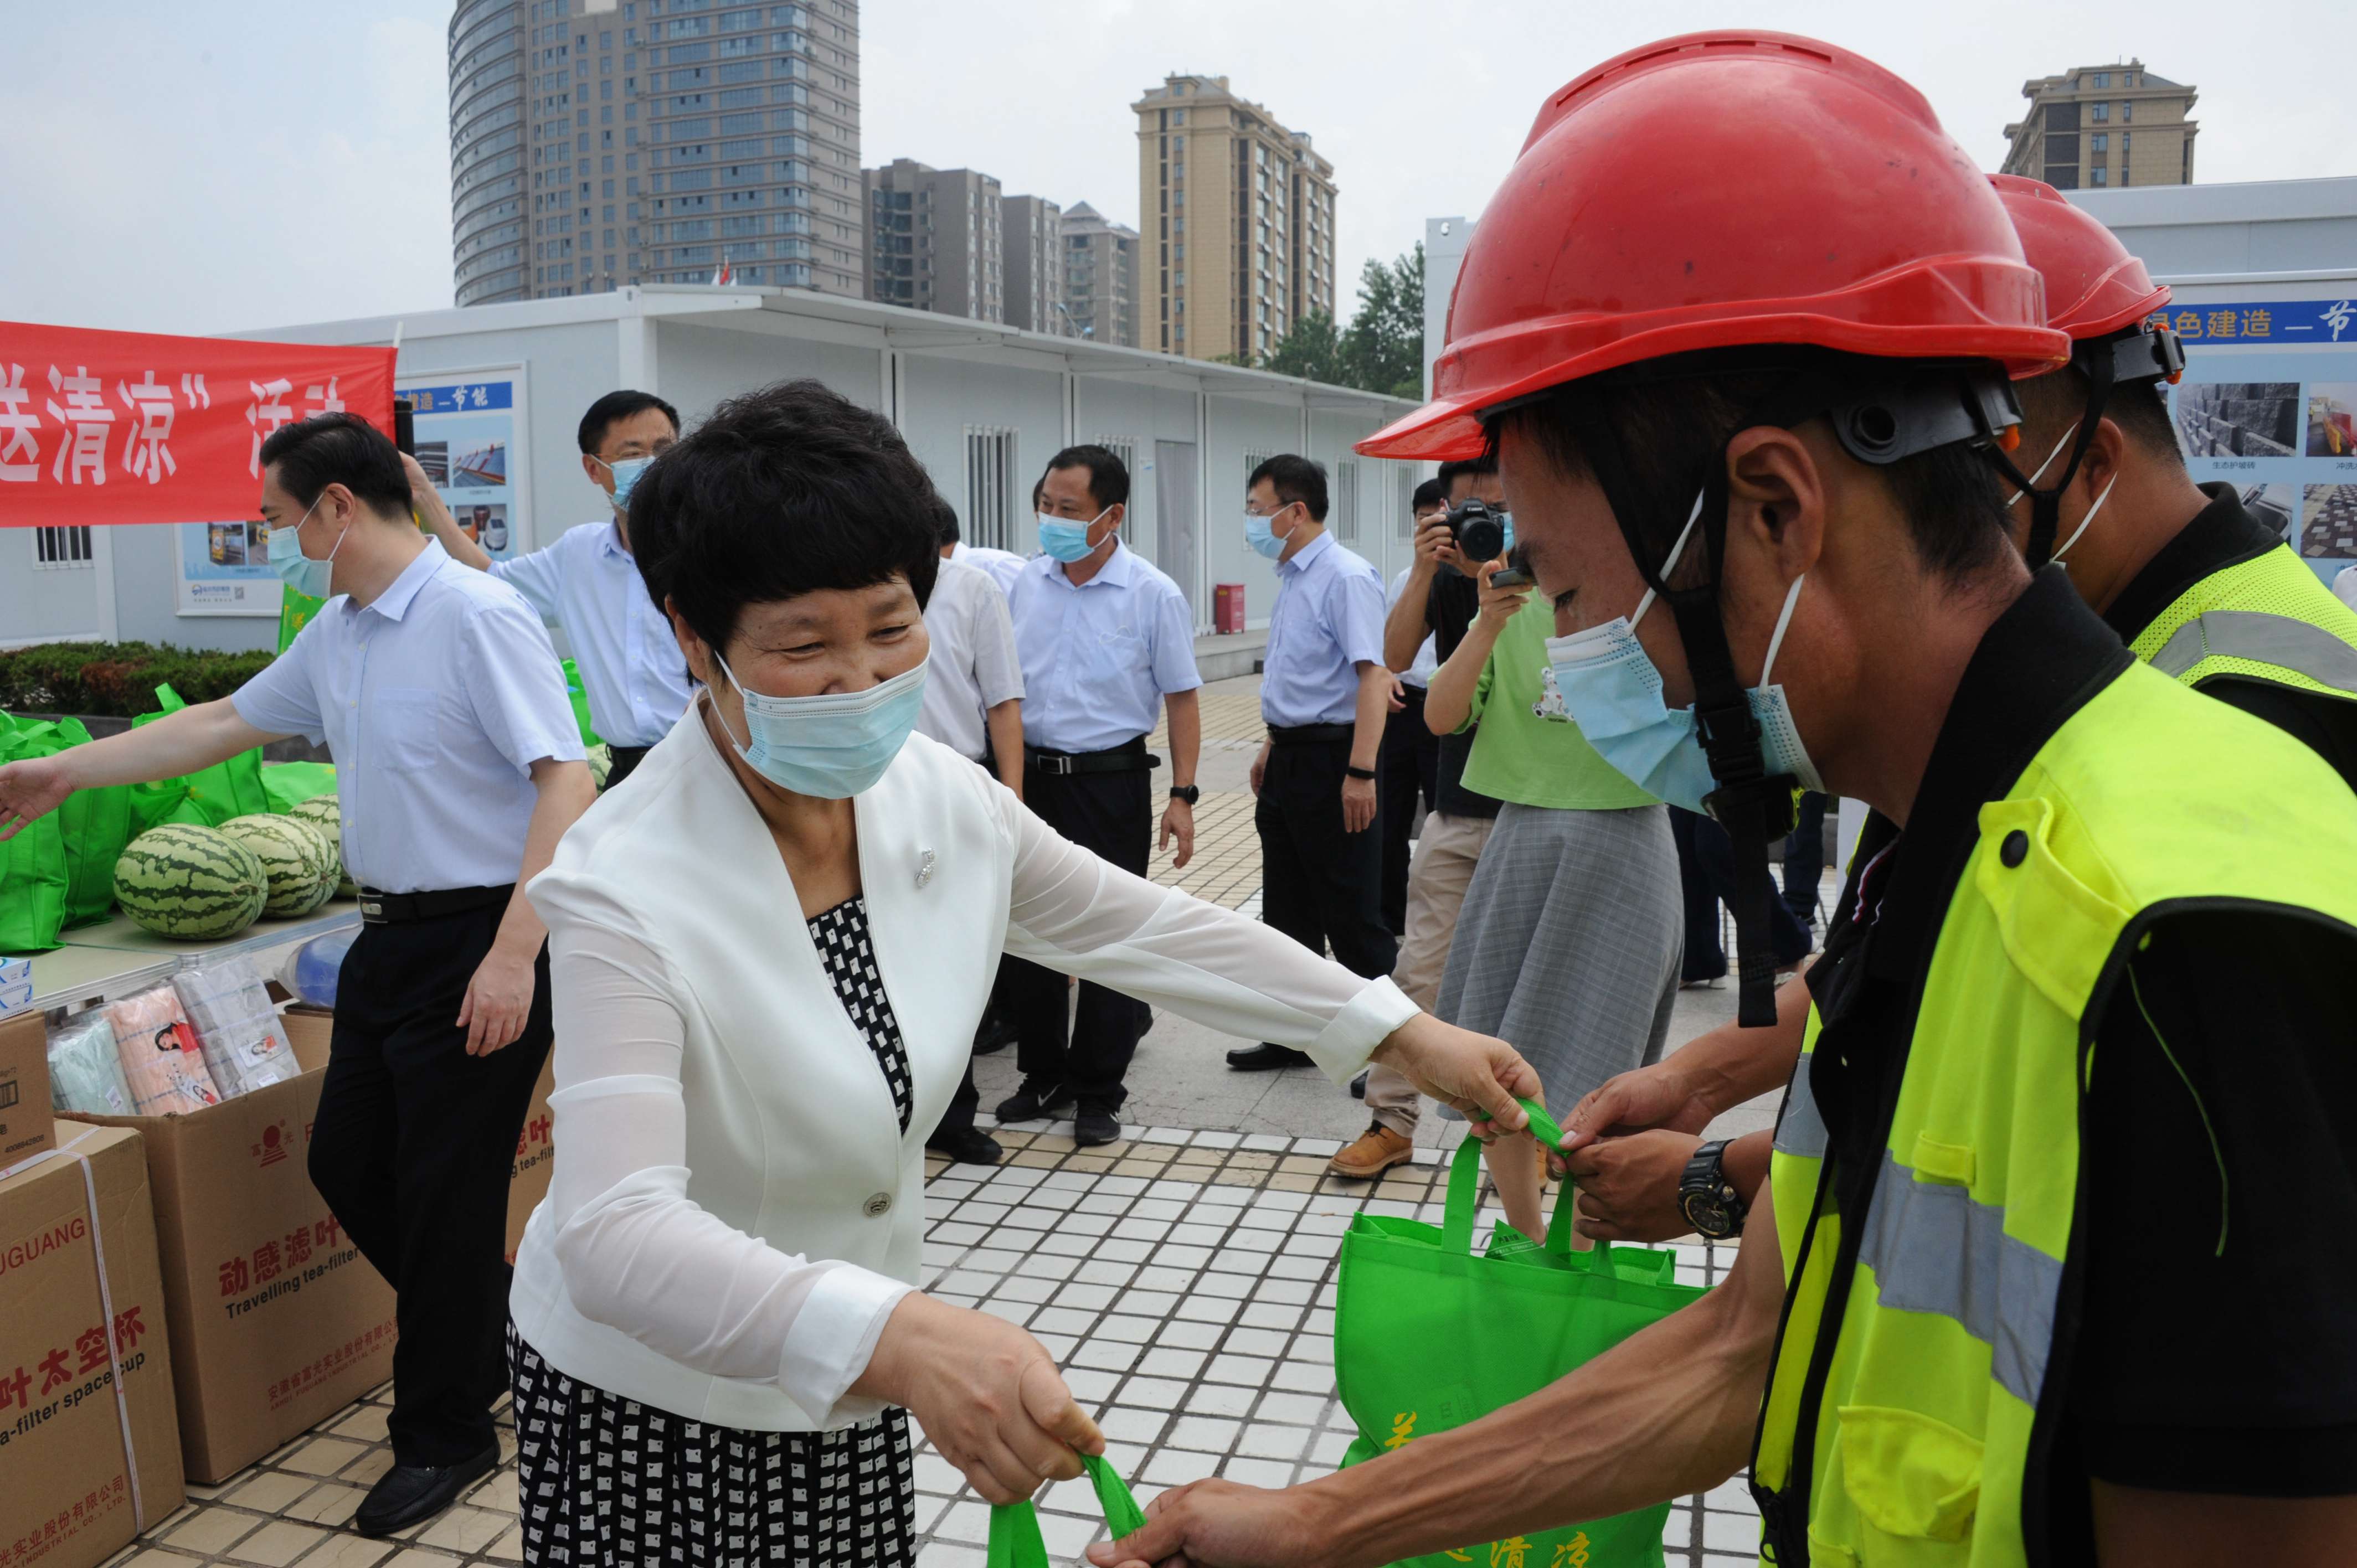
[1934,1249]
[2262,639]
[1801,1130]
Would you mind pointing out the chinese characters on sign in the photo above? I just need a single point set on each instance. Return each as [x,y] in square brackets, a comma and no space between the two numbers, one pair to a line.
[2269,321]
[126,427]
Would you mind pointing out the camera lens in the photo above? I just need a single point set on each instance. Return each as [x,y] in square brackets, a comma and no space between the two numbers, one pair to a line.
[1480,535]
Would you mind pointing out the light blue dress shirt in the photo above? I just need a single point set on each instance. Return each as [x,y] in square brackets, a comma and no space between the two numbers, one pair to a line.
[1328,621]
[1098,659]
[630,663]
[436,701]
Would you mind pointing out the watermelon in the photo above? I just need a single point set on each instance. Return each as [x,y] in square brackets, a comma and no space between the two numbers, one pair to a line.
[189,881]
[326,813]
[295,858]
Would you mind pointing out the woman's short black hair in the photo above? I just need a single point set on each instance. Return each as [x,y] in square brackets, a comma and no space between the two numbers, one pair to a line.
[783,491]
[340,448]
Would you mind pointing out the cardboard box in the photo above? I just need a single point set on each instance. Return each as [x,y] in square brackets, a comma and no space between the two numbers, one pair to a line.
[78,1469]
[277,1321]
[535,1160]
[25,1120]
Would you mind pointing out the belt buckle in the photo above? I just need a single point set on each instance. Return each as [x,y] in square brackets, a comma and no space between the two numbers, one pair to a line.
[1056,767]
[371,912]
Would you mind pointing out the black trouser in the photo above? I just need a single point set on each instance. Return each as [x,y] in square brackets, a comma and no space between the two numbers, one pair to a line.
[1110,814]
[1805,857]
[1320,885]
[958,1115]
[412,1149]
[1410,766]
[1706,876]
[626,762]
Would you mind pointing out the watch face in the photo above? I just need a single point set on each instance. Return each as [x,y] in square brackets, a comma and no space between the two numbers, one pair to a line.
[1705,1214]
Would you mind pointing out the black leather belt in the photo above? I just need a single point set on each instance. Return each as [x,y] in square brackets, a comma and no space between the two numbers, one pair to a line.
[409,909]
[1131,756]
[1303,735]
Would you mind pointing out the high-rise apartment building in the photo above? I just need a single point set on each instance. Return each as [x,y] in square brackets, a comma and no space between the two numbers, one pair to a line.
[1100,287]
[1262,205]
[1035,265]
[936,239]
[2104,125]
[598,142]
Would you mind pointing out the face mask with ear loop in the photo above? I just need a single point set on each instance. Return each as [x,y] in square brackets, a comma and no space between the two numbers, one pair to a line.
[1756,765]
[2139,354]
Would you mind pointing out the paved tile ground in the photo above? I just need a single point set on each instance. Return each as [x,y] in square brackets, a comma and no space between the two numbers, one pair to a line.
[1184,1278]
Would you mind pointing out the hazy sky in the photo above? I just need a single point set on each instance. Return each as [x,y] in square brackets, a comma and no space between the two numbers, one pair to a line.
[192,166]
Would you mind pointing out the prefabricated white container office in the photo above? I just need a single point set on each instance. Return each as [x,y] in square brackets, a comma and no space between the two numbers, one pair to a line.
[983,405]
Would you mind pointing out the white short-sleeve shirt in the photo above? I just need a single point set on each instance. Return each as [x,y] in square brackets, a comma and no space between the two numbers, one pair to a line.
[436,701]
[630,663]
[972,667]
[1099,658]
[1001,566]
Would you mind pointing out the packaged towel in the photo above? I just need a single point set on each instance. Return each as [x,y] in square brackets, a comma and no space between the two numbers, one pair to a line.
[85,1072]
[162,1063]
[245,1046]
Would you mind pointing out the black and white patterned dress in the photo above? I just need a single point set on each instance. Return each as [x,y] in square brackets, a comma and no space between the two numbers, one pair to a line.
[606,1481]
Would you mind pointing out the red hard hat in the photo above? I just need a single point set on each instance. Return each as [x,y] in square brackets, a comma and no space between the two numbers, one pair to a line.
[1721,189]
[2094,287]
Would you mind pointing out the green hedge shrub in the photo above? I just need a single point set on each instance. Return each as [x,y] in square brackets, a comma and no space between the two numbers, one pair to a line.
[116,680]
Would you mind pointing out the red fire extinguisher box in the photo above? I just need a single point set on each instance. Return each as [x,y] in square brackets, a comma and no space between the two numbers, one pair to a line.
[1228,608]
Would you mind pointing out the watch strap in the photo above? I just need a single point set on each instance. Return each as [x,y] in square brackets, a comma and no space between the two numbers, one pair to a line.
[1355,771]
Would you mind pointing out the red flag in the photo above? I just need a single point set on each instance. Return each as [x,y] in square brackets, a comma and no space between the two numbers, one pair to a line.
[136,427]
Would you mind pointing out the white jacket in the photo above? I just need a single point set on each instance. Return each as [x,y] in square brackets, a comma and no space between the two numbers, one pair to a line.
[735,1209]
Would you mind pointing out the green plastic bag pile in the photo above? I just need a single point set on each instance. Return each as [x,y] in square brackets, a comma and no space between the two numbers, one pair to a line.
[59,872]
[209,796]
[1513,1319]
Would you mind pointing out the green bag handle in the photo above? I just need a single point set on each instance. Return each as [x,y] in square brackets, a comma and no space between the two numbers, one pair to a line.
[1015,1540]
[1464,1202]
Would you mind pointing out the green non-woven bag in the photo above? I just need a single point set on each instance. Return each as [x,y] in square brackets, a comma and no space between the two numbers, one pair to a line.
[1512,1320]
[214,795]
[1014,1540]
[289,784]
[93,825]
[579,696]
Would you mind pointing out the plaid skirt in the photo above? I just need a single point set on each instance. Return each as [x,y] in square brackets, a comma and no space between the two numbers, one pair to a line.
[605,1481]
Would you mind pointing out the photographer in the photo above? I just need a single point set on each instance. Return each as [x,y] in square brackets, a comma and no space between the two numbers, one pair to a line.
[1411,754]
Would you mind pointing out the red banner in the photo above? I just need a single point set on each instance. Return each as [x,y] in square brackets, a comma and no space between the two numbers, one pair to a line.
[135,427]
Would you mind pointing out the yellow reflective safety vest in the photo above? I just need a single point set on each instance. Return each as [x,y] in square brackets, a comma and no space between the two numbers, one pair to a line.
[2267,618]
[2141,802]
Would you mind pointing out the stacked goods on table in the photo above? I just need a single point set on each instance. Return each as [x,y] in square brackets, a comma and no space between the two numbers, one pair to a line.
[212,1034]
[91,1455]
[16,985]
[326,813]
[296,861]
[198,882]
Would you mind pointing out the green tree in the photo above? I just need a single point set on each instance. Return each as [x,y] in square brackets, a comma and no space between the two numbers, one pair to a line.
[1312,350]
[1382,350]
[1384,346]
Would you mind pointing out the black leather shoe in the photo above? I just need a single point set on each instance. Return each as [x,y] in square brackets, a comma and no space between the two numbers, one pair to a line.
[997,1034]
[1095,1123]
[1266,1057]
[967,1146]
[412,1494]
[1358,1086]
[1037,1100]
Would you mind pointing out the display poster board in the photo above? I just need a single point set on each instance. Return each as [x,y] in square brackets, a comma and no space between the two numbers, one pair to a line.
[2268,404]
[472,441]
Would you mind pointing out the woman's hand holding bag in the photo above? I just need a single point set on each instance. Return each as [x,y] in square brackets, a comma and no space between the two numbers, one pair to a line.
[987,1394]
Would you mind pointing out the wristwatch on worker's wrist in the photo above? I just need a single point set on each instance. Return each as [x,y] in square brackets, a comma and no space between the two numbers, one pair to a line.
[1365,775]
[1189,793]
[1706,1199]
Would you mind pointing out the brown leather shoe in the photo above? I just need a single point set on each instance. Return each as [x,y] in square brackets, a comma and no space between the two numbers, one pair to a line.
[1378,1150]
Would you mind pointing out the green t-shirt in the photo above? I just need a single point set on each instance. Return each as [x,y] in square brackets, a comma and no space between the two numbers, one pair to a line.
[1528,750]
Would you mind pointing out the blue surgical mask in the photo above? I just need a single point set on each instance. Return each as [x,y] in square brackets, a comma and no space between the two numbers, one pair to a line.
[833,745]
[1506,524]
[626,477]
[296,570]
[1260,532]
[1613,692]
[1068,540]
